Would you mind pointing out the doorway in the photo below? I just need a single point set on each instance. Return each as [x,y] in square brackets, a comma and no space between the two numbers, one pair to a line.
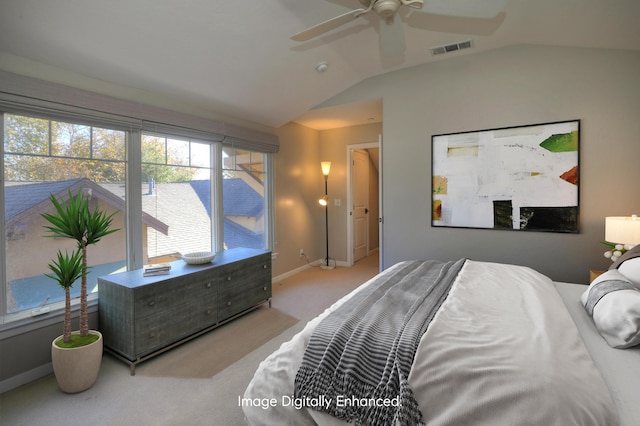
[364,224]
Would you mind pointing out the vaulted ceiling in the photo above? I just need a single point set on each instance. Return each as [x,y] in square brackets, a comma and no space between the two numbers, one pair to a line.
[236,58]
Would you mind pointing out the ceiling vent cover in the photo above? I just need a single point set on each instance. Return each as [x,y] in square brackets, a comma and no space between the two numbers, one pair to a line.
[452,47]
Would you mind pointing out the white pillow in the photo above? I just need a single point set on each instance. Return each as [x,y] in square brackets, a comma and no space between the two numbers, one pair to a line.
[629,265]
[630,268]
[616,312]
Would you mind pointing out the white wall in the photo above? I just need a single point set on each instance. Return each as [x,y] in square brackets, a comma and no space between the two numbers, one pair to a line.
[510,87]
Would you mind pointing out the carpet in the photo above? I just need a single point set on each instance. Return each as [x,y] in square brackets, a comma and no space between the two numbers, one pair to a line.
[212,352]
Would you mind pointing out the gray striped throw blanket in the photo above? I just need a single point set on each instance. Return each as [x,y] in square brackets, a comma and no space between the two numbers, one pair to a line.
[358,358]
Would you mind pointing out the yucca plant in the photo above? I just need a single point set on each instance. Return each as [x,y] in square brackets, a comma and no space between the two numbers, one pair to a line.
[74,219]
[65,271]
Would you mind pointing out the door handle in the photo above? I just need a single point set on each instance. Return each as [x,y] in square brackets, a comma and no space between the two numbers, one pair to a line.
[366,211]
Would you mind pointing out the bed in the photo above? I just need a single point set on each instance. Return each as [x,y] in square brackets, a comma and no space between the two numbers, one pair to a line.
[503,345]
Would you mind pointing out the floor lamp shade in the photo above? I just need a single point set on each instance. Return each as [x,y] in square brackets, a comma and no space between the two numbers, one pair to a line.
[326,167]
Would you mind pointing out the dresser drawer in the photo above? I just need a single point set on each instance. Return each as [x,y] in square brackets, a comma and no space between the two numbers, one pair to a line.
[203,310]
[151,299]
[156,331]
[234,301]
[243,286]
[238,273]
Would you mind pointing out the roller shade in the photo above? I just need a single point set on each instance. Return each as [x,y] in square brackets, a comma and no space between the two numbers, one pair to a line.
[64,112]
[250,140]
[29,96]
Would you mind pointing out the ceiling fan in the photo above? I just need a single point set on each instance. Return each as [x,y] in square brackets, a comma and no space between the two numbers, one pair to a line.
[461,16]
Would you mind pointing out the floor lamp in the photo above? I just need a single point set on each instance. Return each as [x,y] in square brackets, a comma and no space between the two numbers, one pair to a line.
[324,201]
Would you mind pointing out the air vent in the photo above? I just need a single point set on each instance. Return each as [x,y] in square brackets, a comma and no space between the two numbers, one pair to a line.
[452,47]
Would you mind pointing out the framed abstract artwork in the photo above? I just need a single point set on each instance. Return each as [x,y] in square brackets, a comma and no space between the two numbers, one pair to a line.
[520,178]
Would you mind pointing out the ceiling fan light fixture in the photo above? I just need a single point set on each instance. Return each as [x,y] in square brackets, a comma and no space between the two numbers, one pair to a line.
[386,8]
[392,43]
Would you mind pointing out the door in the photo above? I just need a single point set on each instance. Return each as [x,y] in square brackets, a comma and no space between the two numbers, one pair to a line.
[360,208]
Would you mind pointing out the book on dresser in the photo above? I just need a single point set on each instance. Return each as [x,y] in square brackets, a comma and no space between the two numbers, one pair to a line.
[156,269]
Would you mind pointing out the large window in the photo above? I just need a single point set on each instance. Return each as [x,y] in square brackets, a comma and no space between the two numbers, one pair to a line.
[46,157]
[191,194]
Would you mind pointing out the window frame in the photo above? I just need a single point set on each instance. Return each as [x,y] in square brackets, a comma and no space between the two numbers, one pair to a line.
[133,199]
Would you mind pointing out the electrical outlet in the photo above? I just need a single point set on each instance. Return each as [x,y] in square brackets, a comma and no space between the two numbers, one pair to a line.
[301,252]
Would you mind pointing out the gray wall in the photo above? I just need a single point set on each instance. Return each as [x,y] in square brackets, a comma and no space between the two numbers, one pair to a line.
[509,87]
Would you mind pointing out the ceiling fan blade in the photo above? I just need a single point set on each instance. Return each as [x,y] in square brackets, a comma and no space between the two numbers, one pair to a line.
[456,25]
[327,26]
[392,41]
[464,8]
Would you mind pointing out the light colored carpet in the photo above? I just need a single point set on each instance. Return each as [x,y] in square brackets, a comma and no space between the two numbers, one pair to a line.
[198,383]
[212,352]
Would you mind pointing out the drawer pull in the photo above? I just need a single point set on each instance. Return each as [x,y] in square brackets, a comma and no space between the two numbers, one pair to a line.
[152,303]
[152,334]
[229,278]
[208,311]
[264,266]
[228,303]
[208,285]
[264,288]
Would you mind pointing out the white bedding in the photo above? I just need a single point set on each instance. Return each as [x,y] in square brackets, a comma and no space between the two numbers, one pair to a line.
[502,350]
[619,367]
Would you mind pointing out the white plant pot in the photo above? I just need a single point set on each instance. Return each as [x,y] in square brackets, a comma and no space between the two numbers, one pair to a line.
[76,369]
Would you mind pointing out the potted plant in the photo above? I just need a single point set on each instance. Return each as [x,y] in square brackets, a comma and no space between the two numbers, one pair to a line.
[76,356]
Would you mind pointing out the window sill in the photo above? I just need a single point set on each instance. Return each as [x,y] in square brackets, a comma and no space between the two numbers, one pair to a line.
[26,323]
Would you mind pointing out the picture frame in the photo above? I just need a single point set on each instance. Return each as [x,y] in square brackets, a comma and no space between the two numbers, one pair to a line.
[522,178]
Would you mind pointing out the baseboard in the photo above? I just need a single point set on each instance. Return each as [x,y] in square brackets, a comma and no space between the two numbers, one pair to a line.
[26,377]
[291,273]
[315,263]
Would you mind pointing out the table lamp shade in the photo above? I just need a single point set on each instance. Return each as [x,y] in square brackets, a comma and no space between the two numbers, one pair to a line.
[622,229]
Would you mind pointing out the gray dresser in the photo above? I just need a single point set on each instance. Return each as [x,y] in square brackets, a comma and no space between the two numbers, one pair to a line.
[141,317]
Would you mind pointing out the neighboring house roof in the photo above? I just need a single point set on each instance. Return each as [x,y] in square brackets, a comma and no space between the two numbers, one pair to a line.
[21,196]
[239,199]
[24,199]
[187,226]
[178,205]
[237,236]
[178,210]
